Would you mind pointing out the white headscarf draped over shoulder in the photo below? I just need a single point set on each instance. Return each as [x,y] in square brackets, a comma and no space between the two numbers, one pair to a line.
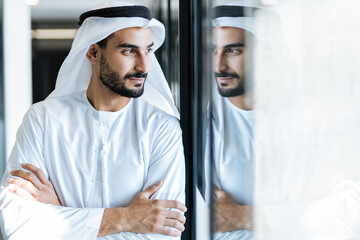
[75,72]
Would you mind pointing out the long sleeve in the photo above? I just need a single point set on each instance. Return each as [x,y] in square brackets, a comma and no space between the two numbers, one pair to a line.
[24,219]
[167,164]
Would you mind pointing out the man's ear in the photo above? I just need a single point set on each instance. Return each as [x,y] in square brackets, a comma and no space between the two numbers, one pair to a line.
[93,54]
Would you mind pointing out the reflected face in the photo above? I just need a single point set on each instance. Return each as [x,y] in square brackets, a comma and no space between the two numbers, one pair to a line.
[125,61]
[228,60]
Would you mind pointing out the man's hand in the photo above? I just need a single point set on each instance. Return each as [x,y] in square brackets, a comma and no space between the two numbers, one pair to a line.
[229,216]
[145,215]
[34,182]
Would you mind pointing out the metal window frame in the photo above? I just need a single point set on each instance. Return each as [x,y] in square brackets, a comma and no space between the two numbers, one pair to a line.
[194,30]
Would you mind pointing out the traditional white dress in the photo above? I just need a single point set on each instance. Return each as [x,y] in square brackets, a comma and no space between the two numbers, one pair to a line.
[95,160]
[233,156]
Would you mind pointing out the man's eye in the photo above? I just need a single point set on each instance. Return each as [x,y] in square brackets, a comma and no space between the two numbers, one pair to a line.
[128,51]
[234,51]
[149,50]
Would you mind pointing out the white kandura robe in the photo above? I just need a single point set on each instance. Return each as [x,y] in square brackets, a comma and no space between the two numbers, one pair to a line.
[95,160]
[233,157]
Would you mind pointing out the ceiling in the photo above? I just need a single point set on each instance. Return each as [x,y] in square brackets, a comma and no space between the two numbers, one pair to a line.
[68,10]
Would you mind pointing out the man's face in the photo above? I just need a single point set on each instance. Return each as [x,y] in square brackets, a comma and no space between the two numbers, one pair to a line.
[228,60]
[125,61]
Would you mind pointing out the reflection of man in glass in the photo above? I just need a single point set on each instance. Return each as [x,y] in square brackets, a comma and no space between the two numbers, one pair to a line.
[229,58]
[306,189]
[232,126]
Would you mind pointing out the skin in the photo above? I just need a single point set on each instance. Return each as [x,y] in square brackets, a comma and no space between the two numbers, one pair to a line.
[127,51]
[230,216]
[38,187]
[229,51]
[122,58]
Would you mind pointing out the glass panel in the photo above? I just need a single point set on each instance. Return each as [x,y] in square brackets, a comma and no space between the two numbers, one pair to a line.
[201,126]
[308,132]
[232,122]
[285,126]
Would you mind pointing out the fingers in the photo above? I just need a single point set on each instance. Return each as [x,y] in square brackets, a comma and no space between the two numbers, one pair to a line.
[22,194]
[27,176]
[175,224]
[176,215]
[147,193]
[170,232]
[36,171]
[172,204]
[28,186]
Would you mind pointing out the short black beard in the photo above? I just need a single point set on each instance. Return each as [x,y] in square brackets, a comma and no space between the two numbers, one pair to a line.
[238,90]
[112,80]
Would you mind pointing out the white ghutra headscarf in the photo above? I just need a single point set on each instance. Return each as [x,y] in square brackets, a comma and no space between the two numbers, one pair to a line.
[75,72]
[268,55]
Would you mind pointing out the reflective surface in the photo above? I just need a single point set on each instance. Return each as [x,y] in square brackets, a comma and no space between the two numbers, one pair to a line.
[308,166]
[232,127]
[285,121]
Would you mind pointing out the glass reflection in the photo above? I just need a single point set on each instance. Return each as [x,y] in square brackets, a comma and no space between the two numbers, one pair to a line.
[284,145]
[247,45]
[232,122]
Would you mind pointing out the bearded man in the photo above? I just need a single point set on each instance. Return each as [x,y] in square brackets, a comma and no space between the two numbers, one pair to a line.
[105,148]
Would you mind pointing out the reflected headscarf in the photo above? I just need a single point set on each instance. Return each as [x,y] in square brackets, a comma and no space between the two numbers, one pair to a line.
[271,64]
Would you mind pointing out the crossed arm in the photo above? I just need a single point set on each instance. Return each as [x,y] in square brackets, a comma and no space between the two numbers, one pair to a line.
[20,217]
[143,215]
[230,216]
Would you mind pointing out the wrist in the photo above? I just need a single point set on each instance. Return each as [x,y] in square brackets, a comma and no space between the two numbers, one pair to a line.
[112,222]
[122,222]
[246,217]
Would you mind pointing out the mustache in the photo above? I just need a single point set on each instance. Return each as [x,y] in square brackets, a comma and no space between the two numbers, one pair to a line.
[136,75]
[226,74]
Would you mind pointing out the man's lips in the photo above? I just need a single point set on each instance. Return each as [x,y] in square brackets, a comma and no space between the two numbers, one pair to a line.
[225,79]
[137,80]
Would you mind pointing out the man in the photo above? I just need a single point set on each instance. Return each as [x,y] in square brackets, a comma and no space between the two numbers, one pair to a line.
[106,139]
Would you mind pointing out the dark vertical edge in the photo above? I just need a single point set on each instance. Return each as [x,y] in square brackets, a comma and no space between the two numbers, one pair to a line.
[207,79]
[2,93]
[2,104]
[197,94]
[186,110]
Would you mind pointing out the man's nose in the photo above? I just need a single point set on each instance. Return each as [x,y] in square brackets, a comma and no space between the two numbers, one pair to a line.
[220,63]
[142,63]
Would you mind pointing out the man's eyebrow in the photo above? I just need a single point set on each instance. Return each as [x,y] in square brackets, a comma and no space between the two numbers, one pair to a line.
[234,45]
[128,45]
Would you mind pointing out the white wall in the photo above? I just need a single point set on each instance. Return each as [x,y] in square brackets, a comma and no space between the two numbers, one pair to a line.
[17,67]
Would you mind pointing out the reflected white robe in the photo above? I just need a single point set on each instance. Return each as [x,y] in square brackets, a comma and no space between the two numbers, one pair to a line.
[330,215]
[94,159]
[233,156]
